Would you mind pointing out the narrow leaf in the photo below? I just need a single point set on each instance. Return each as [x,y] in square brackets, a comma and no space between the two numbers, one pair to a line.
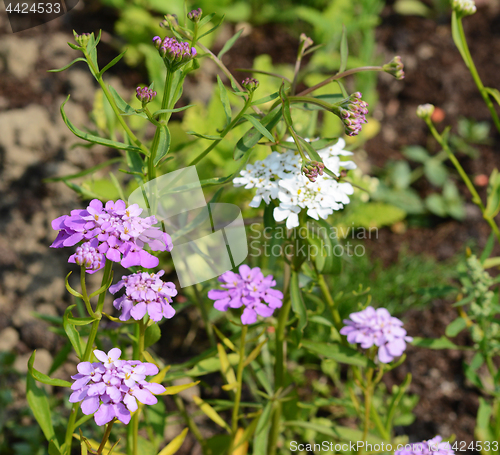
[204,136]
[339,353]
[256,351]
[225,366]
[229,43]
[457,39]
[175,389]
[494,93]
[41,377]
[258,126]
[164,144]
[152,335]
[174,445]
[39,405]
[225,339]
[298,304]
[72,333]
[344,50]
[224,100]
[177,109]
[112,63]
[211,413]
[84,172]
[215,27]
[80,59]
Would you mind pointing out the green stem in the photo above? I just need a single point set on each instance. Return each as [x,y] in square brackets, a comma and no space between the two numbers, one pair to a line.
[85,296]
[475,196]
[204,314]
[329,299]
[105,437]
[88,348]
[239,380]
[133,428]
[368,403]
[111,100]
[339,76]
[165,104]
[223,134]
[475,75]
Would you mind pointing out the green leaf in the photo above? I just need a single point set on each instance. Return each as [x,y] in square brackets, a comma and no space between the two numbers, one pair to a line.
[204,136]
[135,163]
[337,432]
[123,105]
[287,116]
[70,289]
[152,335]
[316,145]
[339,353]
[342,89]
[163,145]
[84,172]
[39,405]
[175,389]
[258,126]
[416,153]
[96,139]
[261,436]
[457,39]
[344,50]
[437,205]
[174,445]
[206,20]
[112,63]
[252,136]
[434,343]
[80,59]
[494,93]
[436,172]
[488,249]
[211,365]
[265,99]
[229,43]
[41,377]
[493,201]
[211,413]
[177,109]
[72,333]
[215,27]
[411,8]
[80,321]
[298,305]
[455,327]
[224,100]
[53,449]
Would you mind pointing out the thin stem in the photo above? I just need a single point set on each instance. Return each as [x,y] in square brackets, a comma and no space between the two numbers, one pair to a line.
[475,75]
[156,140]
[368,403]
[85,296]
[475,195]
[339,76]
[111,100]
[204,315]
[239,380]
[329,299]
[105,437]
[223,134]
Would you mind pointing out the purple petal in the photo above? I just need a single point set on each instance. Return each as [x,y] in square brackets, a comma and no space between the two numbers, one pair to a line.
[90,405]
[249,316]
[105,414]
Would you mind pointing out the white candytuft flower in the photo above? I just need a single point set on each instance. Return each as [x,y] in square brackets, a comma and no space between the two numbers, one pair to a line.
[279,176]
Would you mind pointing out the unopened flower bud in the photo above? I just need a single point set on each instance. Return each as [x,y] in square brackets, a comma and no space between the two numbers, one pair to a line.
[312,169]
[250,84]
[352,112]
[174,53]
[424,111]
[395,68]
[82,39]
[195,15]
[145,95]
[305,41]
[157,42]
[89,257]
[464,7]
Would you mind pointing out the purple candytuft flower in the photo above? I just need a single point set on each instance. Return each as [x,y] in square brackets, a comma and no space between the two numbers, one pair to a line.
[110,388]
[312,169]
[174,53]
[120,231]
[195,15]
[250,84]
[248,288]
[395,68]
[145,95]
[352,112]
[88,255]
[144,293]
[432,446]
[372,327]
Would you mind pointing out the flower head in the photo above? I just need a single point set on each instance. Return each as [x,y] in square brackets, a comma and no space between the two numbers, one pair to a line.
[312,169]
[395,68]
[430,447]
[145,95]
[112,387]
[120,232]
[248,288]
[88,256]
[371,327]
[464,7]
[195,15]
[144,293]
[174,53]
[424,111]
[82,39]
[352,112]
[250,84]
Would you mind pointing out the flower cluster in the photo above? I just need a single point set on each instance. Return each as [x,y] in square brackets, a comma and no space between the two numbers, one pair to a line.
[145,95]
[433,446]
[425,111]
[372,327]
[464,7]
[88,255]
[174,53]
[249,288]
[144,293]
[110,388]
[352,112]
[279,176]
[82,39]
[250,84]
[312,169]
[395,68]
[120,231]
[195,15]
